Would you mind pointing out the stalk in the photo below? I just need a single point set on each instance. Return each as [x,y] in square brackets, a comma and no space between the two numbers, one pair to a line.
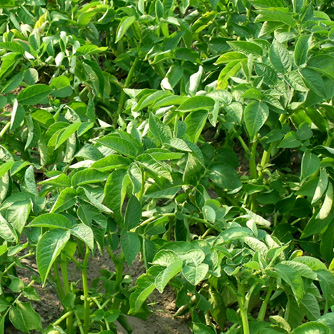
[126,85]
[57,280]
[264,305]
[243,308]
[85,291]
[4,129]
[67,289]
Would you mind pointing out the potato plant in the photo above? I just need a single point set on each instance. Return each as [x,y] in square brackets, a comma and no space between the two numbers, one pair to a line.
[197,135]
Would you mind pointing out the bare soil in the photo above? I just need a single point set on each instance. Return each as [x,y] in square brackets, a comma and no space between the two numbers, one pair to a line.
[161,321]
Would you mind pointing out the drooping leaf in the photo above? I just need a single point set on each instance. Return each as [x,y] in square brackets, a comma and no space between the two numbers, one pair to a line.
[255,115]
[130,244]
[48,249]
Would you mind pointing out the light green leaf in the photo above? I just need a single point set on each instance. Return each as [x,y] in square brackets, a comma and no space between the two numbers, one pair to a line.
[34,94]
[310,164]
[326,207]
[88,176]
[246,48]
[89,49]
[84,233]
[119,144]
[230,70]
[48,248]
[51,220]
[7,232]
[195,274]
[17,116]
[197,103]
[65,200]
[292,278]
[166,275]
[60,180]
[312,328]
[255,115]
[195,122]
[124,25]
[66,133]
[224,176]
[311,306]
[230,56]
[61,86]
[165,258]
[24,317]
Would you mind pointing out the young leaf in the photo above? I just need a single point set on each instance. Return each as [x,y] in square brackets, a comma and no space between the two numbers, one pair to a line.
[229,71]
[255,115]
[48,248]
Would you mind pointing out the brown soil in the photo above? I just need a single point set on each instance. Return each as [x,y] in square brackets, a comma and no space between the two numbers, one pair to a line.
[161,321]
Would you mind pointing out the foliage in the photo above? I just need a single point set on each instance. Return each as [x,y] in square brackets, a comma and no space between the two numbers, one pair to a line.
[123,127]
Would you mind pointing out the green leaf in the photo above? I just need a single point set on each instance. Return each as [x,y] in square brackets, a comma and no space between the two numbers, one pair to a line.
[195,274]
[61,86]
[311,306]
[51,220]
[160,131]
[60,180]
[195,122]
[301,50]
[167,274]
[255,115]
[114,192]
[246,48]
[48,248]
[224,176]
[130,244]
[136,176]
[120,145]
[197,103]
[110,163]
[312,328]
[292,278]
[124,25]
[88,176]
[310,164]
[5,167]
[31,76]
[12,46]
[155,167]
[66,133]
[230,70]
[24,317]
[327,243]
[17,116]
[89,49]
[327,204]
[326,280]
[84,233]
[133,213]
[311,262]
[230,56]
[7,232]
[9,62]
[65,200]
[276,16]
[165,258]
[280,57]
[34,94]
[314,81]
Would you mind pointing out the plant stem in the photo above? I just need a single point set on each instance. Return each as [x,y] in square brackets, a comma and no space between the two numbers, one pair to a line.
[4,129]
[66,284]
[252,161]
[57,280]
[243,308]
[126,85]
[85,292]
[63,317]
[264,305]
